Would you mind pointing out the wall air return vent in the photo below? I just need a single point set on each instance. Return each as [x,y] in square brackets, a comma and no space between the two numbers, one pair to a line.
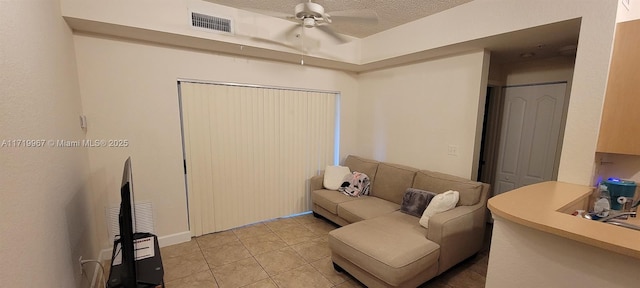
[211,23]
[144,219]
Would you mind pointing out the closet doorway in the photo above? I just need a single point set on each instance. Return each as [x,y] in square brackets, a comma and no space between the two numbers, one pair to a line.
[530,139]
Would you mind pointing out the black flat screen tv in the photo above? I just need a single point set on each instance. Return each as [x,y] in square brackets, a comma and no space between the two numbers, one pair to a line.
[127,221]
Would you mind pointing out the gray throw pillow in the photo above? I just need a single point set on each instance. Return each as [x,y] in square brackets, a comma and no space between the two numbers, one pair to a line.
[415,201]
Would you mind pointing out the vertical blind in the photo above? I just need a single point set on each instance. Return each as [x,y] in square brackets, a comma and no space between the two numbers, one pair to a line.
[250,151]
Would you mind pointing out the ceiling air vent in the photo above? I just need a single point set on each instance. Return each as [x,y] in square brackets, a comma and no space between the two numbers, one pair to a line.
[210,22]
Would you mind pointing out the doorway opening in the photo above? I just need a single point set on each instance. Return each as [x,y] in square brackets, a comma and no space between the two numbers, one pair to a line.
[490,134]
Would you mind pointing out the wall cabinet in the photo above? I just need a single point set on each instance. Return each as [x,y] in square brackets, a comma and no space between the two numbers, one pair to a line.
[620,126]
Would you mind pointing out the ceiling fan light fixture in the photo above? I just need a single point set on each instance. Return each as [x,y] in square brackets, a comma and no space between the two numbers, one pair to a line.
[309,22]
[527,54]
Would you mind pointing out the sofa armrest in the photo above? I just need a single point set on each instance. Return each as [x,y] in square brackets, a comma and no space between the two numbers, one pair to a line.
[459,232]
[315,183]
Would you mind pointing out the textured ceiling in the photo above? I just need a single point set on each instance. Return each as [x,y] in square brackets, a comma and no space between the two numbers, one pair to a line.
[390,13]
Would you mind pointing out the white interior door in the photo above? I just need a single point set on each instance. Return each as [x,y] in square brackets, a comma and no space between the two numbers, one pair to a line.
[529,136]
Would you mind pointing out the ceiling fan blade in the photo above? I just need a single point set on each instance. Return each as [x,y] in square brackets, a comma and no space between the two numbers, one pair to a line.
[295,34]
[364,16]
[289,34]
[334,35]
[292,35]
[276,14]
[258,39]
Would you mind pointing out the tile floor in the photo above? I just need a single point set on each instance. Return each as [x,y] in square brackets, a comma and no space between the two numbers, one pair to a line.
[288,252]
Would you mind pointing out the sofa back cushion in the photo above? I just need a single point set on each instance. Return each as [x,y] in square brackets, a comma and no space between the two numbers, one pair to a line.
[366,166]
[392,181]
[470,191]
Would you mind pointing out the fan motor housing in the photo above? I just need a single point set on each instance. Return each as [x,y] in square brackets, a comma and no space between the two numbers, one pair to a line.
[309,10]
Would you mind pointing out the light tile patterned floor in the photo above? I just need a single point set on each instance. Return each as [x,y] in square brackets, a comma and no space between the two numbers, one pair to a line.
[287,252]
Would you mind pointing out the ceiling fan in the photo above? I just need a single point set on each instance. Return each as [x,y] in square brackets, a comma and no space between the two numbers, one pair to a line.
[313,15]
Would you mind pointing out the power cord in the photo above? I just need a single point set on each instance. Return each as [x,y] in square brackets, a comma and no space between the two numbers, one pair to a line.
[117,251]
[82,262]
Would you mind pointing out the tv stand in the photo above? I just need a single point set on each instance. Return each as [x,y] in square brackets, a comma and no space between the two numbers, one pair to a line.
[149,271]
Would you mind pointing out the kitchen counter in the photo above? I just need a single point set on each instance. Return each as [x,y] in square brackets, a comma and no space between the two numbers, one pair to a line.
[547,206]
[536,242]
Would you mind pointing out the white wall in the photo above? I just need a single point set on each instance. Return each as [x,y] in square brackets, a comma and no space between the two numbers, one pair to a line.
[628,10]
[410,114]
[129,91]
[527,258]
[539,71]
[461,24]
[45,204]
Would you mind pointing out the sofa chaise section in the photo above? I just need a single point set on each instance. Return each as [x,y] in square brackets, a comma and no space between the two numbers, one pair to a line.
[384,247]
[390,250]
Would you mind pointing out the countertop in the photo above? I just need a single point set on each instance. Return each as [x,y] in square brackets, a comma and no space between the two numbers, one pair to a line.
[537,206]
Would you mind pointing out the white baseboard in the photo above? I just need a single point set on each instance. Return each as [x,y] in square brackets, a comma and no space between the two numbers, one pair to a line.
[174,239]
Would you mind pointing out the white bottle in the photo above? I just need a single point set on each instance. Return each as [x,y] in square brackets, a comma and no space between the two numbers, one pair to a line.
[603,205]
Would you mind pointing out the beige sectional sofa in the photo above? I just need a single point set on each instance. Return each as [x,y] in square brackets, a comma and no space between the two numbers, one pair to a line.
[384,247]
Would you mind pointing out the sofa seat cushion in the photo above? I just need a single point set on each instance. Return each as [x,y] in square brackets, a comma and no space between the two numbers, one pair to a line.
[392,247]
[329,199]
[365,207]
